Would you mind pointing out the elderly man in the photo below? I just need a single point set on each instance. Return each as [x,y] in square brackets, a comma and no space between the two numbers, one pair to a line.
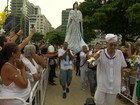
[110,62]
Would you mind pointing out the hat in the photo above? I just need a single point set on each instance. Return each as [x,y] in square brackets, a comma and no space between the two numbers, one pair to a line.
[111,38]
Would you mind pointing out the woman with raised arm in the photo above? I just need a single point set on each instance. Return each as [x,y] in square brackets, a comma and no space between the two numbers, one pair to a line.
[12,37]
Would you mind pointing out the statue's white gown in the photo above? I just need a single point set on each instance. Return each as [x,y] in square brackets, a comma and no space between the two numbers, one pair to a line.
[74,31]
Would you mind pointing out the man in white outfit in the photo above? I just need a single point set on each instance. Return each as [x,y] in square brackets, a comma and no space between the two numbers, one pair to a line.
[84,66]
[110,62]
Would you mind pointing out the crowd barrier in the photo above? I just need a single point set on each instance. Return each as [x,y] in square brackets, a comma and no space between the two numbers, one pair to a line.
[133,98]
[9,99]
[37,94]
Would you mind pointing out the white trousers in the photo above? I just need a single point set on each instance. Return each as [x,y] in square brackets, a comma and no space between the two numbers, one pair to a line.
[102,98]
[83,75]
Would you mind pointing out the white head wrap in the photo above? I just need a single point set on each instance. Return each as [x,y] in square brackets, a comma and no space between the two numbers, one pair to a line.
[111,38]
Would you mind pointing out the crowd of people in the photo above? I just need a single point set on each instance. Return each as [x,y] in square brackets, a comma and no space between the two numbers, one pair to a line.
[107,70]
[20,65]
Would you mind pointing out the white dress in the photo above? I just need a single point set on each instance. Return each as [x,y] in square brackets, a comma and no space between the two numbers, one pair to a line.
[74,31]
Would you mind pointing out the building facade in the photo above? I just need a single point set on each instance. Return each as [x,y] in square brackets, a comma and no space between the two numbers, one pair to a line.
[22,12]
[39,21]
[19,12]
[64,20]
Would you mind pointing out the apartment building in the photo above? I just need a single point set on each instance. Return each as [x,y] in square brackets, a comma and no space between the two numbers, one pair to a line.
[22,12]
[65,14]
[39,21]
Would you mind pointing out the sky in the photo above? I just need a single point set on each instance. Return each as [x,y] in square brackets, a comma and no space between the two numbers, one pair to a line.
[50,8]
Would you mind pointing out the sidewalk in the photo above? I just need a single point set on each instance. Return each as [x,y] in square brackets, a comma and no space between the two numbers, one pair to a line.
[75,97]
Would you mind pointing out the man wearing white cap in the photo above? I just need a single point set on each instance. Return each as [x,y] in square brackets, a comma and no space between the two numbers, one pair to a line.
[110,62]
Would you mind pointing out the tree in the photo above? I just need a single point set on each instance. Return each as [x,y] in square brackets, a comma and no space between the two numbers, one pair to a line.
[133,15]
[88,8]
[56,37]
[114,16]
[37,37]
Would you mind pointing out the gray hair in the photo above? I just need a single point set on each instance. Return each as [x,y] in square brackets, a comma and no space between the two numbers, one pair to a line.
[28,50]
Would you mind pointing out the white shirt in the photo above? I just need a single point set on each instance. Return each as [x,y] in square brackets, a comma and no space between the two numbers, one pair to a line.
[90,52]
[63,64]
[109,72]
[83,61]
[32,69]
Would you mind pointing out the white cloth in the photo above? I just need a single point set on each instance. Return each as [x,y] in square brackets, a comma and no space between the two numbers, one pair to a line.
[90,52]
[51,48]
[109,72]
[30,66]
[63,63]
[14,91]
[83,67]
[83,61]
[33,69]
[111,38]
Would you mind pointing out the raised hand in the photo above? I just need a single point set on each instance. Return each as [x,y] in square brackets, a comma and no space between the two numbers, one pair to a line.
[20,32]
[11,33]
[19,64]
[33,31]
[128,44]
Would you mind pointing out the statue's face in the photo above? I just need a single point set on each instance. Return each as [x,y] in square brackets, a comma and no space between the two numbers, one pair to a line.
[75,6]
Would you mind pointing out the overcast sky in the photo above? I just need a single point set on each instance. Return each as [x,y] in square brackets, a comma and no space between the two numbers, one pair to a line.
[50,8]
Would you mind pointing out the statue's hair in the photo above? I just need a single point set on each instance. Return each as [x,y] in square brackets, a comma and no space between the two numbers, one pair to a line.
[74,4]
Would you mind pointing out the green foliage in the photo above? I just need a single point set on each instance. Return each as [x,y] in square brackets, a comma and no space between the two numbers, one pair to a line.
[113,16]
[37,37]
[133,13]
[88,8]
[56,37]
[99,18]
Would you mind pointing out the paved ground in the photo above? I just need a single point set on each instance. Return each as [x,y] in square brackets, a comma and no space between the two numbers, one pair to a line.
[75,97]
